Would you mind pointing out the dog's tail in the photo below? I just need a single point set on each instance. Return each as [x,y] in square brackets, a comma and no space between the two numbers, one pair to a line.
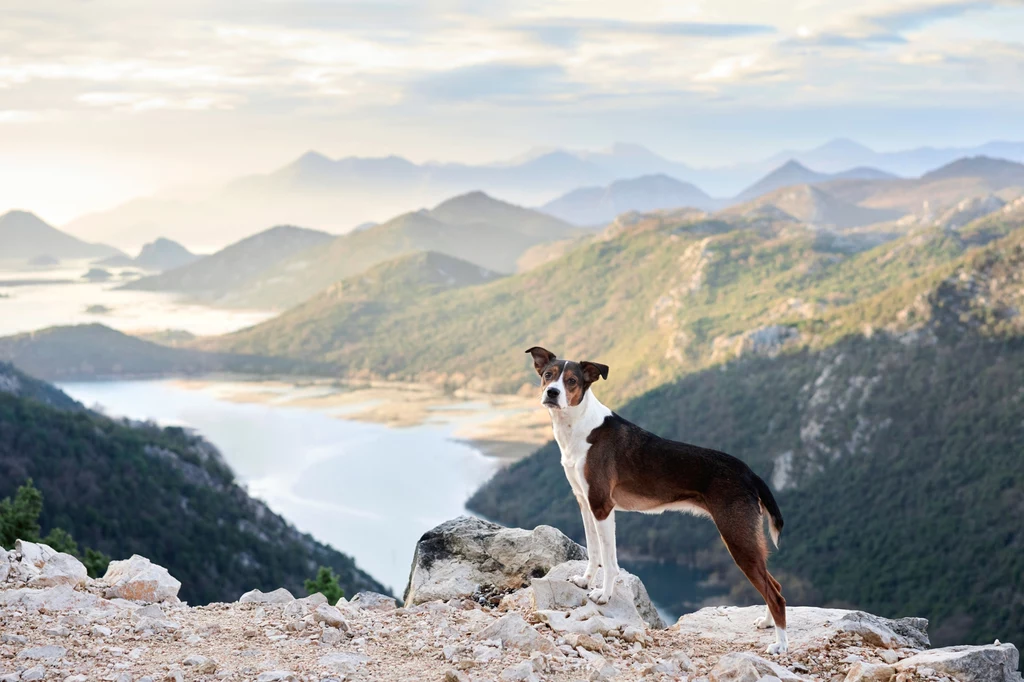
[771,508]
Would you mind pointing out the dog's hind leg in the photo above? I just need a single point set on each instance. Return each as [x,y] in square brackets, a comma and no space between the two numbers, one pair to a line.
[593,546]
[743,535]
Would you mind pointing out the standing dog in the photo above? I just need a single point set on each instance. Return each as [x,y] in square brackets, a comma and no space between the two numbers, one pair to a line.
[613,464]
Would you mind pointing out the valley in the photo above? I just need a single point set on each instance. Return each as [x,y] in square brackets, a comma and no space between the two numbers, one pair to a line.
[851,333]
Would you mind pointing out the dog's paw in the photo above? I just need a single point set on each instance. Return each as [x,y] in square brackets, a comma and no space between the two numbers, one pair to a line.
[764,622]
[776,649]
[598,596]
[581,581]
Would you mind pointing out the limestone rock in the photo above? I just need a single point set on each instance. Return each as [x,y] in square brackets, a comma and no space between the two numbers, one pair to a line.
[521,672]
[52,599]
[513,631]
[861,671]
[345,663]
[138,579]
[28,558]
[737,667]
[330,616]
[5,564]
[805,625]
[988,663]
[60,569]
[909,633]
[630,607]
[33,674]
[278,596]
[374,601]
[466,556]
[43,653]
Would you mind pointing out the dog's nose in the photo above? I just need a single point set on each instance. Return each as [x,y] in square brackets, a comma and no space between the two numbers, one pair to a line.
[552,392]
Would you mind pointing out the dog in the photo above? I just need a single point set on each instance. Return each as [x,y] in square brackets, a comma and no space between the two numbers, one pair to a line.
[612,464]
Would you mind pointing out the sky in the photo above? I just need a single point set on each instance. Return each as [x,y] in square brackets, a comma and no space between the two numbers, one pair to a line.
[105,100]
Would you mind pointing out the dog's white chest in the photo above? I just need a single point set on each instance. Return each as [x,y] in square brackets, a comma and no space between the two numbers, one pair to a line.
[572,430]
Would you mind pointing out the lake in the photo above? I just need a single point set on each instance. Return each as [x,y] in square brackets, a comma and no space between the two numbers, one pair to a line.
[35,298]
[367,489]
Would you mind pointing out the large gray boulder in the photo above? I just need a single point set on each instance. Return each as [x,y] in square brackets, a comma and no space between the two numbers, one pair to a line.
[471,558]
[567,608]
[988,663]
[5,565]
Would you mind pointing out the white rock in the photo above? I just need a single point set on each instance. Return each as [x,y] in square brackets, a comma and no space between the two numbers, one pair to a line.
[513,631]
[278,596]
[909,633]
[277,676]
[43,653]
[329,615]
[521,672]
[76,678]
[467,556]
[10,677]
[34,673]
[889,656]
[738,663]
[60,569]
[345,663]
[156,625]
[28,558]
[139,579]
[5,565]
[988,663]
[374,601]
[735,626]
[862,671]
[100,631]
[10,638]
[566,607]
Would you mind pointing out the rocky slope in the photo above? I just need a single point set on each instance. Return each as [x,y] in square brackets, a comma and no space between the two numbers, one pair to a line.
[130,626]
[127,487]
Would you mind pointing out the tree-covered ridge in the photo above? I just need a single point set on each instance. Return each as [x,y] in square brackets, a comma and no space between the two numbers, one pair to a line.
[126,488]
[911,414]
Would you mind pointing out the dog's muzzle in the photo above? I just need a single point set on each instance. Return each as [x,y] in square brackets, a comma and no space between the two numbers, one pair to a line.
[551,397]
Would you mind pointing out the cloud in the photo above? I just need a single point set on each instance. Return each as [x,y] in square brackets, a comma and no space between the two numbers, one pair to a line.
[496,81]
[567,32]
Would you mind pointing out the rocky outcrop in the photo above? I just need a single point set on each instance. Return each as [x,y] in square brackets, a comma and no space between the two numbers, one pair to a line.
[541,632]
[991,663]
[471,558]
[566,607]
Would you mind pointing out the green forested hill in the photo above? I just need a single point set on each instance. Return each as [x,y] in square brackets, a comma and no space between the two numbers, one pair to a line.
[896,450]
[127,488]
[656,298]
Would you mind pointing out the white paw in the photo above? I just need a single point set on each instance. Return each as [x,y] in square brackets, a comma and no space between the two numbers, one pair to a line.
[598,596]
[581,580]
[776,649]
[765,622]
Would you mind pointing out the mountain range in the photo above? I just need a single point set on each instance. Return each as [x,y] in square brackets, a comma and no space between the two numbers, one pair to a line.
[25,237]
[263,272]
[161,254]
[337,194]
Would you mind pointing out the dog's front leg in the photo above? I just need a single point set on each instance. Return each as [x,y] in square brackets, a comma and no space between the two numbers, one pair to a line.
[593,546]
[606,536]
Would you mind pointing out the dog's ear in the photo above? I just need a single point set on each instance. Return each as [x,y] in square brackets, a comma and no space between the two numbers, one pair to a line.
[592,371]
[541,357]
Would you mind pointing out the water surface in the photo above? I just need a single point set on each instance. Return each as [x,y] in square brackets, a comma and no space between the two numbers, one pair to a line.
[368,490]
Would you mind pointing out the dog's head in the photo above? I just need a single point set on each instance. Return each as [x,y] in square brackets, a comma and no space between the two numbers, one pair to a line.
[564,383]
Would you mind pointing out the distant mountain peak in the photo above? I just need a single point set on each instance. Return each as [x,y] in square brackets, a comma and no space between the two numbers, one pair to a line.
[844,144]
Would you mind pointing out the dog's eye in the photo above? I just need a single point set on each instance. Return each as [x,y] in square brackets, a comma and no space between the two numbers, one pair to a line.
[571,382]
[547,375]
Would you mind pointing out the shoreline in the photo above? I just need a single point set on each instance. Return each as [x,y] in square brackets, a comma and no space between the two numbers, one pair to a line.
[503,427]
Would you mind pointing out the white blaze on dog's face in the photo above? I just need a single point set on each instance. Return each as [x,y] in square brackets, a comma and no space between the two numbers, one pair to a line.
[564,383]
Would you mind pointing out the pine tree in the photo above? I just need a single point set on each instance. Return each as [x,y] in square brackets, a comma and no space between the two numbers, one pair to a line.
[326,582]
